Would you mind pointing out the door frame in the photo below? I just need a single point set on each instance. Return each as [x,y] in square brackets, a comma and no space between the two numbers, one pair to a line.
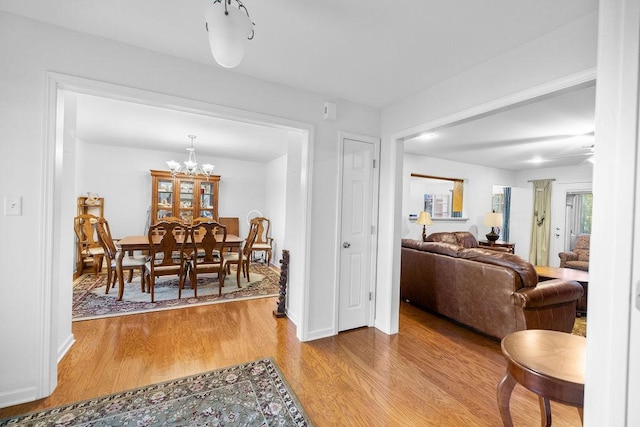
[558,218]
[374,223]
[54,192]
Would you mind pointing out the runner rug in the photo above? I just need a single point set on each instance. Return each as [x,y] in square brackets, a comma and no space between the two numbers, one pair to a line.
[90,301]
[251,394]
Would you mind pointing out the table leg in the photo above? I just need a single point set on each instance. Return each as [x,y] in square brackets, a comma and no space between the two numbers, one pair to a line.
[119,274]
[239,267]
[505,388]
[545,411]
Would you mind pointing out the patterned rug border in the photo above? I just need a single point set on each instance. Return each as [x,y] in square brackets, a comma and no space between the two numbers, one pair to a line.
[177,307]
[294,408]
[80,295]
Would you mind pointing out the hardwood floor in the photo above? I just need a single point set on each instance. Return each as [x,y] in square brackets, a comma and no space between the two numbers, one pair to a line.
[432,373]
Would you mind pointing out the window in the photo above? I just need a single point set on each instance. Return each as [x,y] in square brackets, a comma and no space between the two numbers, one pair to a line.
[578,216]
[441,197]
[497,199]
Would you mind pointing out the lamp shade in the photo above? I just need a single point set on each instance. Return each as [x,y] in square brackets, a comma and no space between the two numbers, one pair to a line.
[493,219]
[227,33]
[424,218]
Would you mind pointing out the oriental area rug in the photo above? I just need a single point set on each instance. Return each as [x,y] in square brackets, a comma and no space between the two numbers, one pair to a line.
[251,394]
[91,302]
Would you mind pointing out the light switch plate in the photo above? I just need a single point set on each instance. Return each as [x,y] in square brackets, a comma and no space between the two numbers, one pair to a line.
[12,205]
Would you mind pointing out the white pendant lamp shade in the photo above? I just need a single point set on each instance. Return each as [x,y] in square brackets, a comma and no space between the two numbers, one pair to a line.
[227,33]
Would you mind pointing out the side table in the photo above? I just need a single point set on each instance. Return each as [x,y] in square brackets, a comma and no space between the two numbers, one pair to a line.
[498,244]
[549,363]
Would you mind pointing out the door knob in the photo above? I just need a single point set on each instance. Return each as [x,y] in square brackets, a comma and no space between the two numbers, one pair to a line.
[346,245]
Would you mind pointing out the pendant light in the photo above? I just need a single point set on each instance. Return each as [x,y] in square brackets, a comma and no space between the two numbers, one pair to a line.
[229,27]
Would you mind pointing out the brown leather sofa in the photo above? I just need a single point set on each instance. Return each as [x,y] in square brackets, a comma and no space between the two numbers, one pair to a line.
[492,292]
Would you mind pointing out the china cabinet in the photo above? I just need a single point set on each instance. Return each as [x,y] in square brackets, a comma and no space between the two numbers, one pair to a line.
[183,197]
[86,205]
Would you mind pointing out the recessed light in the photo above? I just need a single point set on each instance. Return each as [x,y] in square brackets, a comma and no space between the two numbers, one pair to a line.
[426,136]
[536,160]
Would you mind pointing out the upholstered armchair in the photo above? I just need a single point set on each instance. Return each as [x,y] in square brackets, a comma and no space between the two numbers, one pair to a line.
[578,258]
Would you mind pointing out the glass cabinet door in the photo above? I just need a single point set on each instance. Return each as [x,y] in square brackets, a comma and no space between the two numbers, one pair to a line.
[206,200]
[165,198]
[186,201]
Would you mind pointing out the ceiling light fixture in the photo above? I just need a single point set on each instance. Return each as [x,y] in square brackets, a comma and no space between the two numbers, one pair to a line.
[426,136]
[537,160]
[190,167]
[228,31]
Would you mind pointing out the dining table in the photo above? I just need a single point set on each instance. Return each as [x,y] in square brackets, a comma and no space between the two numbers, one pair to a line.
[129,244]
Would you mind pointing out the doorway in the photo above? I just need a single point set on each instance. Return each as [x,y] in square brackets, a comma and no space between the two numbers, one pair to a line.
[60,190]
[577,217]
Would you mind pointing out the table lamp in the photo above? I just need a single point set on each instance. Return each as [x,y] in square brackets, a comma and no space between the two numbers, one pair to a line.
[424,219]
[493,220]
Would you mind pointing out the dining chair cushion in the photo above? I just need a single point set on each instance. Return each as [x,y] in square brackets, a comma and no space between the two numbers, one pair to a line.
[162,268]
[131,261]
[231,257]
[95,251]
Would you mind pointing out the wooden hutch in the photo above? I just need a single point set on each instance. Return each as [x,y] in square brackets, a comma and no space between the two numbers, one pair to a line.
[183,196]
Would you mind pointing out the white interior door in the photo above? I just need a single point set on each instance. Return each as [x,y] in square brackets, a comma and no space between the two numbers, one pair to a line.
[356,234]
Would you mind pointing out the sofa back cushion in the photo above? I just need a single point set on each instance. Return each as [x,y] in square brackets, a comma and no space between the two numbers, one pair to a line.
[460,238]
[524,269]
[434,247]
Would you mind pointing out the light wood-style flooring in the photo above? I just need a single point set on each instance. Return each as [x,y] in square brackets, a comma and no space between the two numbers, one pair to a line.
[432,373]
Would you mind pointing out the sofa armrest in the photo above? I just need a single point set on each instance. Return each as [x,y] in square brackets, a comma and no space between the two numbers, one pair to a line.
[567,256]
[549,292]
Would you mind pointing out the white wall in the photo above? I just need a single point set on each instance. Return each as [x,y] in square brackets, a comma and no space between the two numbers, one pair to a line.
[478,186]
[28,50]
[127,189]
[275,204]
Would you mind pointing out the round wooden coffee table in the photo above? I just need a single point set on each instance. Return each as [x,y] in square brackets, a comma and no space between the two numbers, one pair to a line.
[551,364]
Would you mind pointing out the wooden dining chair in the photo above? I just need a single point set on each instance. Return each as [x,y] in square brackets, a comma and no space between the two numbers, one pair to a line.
[234,257]
[89,248]
[263,242]
[111,252]
[165,240]
[207,244]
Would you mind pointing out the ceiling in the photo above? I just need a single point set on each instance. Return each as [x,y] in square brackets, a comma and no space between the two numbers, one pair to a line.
[391,51]
[553,131]
[155,128]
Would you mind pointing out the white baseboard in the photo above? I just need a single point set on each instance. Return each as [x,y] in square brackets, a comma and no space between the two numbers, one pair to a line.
[66,345]
[320,333]
[16,397]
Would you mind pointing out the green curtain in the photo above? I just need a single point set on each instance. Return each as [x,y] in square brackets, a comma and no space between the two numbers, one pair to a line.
[541,225]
